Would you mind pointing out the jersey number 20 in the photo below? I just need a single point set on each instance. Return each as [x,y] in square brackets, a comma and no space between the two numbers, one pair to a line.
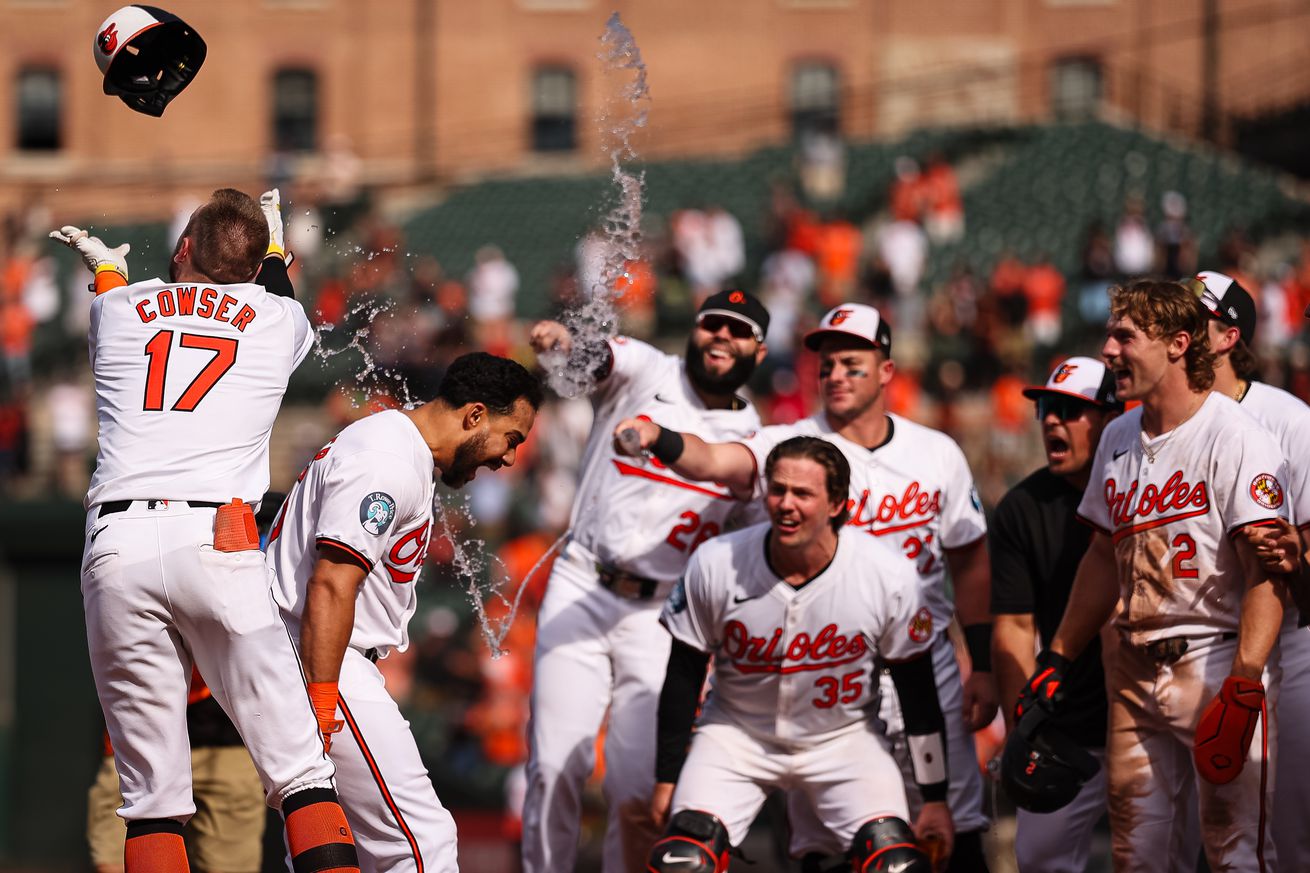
[157,350]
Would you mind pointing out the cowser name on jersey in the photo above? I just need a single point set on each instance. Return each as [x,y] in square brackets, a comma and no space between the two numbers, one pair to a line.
[187,300]
[768,654]
[1176,500]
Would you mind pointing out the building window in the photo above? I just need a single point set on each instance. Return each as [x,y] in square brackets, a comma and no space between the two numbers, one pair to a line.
[295,110]
[1075,88]
[554,110]
[815,100]
[39,96]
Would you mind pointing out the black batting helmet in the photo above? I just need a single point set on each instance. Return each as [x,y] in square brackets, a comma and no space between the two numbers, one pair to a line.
[147,56]
[1042,769]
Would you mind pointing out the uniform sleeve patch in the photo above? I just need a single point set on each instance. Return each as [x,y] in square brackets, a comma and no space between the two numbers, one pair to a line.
[376,512]
[678,598]
[921,626]
[1266,491]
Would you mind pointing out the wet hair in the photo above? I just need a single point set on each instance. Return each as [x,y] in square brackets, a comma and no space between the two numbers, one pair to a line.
[495,382]
[837,473]
[229,237]
[1161,309]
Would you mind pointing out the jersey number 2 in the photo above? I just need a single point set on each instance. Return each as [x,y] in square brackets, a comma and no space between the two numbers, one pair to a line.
[157,350]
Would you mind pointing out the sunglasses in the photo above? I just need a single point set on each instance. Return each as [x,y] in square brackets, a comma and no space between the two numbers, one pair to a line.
[1064,407]
[737,328]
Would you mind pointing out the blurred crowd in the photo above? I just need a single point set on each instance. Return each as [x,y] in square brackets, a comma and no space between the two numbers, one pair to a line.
[390,319]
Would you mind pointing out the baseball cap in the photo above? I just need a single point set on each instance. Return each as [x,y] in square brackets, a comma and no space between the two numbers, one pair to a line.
[1226,301]
[739,305]
[853,319]
[1085,378]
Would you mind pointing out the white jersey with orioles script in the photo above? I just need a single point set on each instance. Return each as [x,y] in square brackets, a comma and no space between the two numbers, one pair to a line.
[793,665]
[636,514]
[367,494]
[1171,504]
[188,381]
[914,495]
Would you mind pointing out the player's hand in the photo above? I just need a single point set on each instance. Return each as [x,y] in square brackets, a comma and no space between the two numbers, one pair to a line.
[270,203]
[1277,544]
[1043,687]
[108,265]
[980,701]
[660,802]
[547,336]
[1224,733]
[635,447]
[935,831]
[324,697]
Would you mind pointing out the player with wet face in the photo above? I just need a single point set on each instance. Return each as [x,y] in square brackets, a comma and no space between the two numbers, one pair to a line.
[635,523]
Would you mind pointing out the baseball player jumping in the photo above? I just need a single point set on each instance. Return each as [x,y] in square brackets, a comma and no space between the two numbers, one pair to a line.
[1232,323]
[189,377]
[346,549]
[1195,676]
[1036,543]
[795,613]
[599,643]
[913,495]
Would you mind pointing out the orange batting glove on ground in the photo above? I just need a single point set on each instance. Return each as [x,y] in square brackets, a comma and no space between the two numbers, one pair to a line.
[108,265]
[324,695]
[1224,733]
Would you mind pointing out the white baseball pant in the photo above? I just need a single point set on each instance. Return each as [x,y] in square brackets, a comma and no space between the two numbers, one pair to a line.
[1292,791]
[1154,709]
[846,781]
[158,598]
[965,794]
[1061,841]
[393,810]
[595,652]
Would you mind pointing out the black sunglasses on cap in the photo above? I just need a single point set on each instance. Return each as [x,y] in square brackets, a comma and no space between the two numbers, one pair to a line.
[1063,406]
[736,327]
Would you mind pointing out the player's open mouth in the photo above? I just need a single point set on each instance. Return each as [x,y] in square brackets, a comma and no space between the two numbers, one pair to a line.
[788,525]
[1057,449]
[718,355]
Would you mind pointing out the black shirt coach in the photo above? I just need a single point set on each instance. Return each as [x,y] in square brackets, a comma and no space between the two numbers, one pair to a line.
[1036,543]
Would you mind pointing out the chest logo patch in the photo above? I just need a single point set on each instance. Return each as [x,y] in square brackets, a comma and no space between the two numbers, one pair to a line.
[376,512]
[921,625]
[1266,491]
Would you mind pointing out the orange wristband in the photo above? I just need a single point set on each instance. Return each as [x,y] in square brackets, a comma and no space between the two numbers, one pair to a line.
[324,696]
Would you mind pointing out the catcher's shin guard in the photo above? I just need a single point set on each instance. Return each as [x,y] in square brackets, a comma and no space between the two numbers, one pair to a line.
[695,842]
[887,844]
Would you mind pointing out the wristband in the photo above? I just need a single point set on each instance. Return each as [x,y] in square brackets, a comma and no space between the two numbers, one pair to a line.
[668,446]
[323,696]
[978,640]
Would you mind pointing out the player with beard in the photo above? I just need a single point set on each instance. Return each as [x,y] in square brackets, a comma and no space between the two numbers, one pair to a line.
[912,493]
[600,647]
[347,547]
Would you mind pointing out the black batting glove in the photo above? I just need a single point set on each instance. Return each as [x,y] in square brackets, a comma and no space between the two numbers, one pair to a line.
[1043,687]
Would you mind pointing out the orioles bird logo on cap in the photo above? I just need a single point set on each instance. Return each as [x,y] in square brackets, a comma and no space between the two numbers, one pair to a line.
[108,39]
[736,297]
[839,316]
[1065,371]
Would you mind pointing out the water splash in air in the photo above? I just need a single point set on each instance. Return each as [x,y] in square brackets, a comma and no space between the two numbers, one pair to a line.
[623,112]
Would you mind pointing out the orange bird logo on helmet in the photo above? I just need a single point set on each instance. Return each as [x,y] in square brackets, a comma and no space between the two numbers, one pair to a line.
[108,39]
[839,316]
[1065,371]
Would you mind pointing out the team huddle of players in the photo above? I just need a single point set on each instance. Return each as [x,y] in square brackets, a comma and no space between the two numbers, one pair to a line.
[827,570]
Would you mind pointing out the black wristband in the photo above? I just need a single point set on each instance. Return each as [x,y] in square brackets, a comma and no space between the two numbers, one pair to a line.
[978,640]
[934,793]
[668,446]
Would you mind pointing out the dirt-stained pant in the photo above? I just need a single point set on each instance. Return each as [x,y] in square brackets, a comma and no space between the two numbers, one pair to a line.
[1154,709]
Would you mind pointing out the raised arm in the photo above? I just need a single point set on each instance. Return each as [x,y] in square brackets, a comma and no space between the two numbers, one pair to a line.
[730,464]
[109,266]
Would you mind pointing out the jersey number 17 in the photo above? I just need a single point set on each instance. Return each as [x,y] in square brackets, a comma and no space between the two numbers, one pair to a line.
[158,349]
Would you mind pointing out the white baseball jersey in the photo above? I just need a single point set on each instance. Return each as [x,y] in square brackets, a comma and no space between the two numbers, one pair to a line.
[1287,417]
[914,495]
[188,381]
[636,514]
[1171,519]
[793,665]
[369,494]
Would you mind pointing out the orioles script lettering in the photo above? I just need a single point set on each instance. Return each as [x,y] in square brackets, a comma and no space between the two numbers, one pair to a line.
[827,648]
[1176,495]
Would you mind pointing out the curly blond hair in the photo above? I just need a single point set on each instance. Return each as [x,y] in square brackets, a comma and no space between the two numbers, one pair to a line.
[1160,309]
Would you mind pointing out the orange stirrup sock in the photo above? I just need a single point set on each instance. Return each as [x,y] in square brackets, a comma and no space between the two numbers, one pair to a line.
[155,845]
[317,834]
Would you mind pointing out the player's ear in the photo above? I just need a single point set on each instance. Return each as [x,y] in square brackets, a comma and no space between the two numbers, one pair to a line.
[761,353]
[183,253]
[475,415]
